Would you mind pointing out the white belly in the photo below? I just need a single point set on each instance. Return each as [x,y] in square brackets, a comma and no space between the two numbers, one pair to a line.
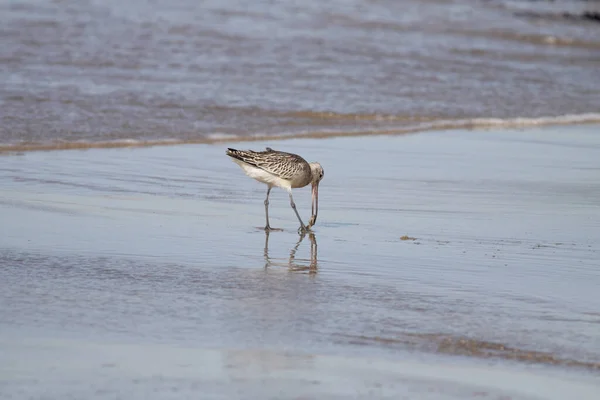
[263,176]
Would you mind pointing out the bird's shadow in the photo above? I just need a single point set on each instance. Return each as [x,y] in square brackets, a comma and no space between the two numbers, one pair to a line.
[294,264]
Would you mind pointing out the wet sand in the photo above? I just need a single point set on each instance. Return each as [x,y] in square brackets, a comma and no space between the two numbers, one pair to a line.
[143,272]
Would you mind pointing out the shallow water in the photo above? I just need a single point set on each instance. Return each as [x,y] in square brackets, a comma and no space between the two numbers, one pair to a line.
[162,246]
[82,73]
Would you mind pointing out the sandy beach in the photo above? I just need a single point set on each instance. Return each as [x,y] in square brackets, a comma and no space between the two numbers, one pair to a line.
[457,249]
[448,264]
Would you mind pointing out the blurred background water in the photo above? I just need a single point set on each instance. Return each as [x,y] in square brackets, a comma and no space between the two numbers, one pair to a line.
[98,71]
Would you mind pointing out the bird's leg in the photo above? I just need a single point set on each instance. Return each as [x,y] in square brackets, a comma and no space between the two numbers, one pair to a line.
[267,227]
[302,228]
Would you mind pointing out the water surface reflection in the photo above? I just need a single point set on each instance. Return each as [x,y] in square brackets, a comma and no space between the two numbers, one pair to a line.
[293,263]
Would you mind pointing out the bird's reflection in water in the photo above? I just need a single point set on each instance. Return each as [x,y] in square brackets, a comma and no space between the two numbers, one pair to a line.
[292,263]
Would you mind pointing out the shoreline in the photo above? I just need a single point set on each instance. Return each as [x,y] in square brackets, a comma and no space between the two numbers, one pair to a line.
[482,124]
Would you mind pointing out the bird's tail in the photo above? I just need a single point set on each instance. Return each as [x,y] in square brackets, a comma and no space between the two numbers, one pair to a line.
[239,154]
[242,155]
[247,156]
[234,152]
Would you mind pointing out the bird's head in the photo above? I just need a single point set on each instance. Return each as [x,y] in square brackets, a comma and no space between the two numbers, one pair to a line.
[317,172]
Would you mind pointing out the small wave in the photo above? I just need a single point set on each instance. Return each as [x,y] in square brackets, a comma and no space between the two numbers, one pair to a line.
[518,122]
[330,115]
[535,39]
[587,16]
[416,125]
[222,136]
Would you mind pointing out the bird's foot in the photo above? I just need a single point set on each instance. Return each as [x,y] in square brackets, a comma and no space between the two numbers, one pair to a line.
[312,221]
[303,230]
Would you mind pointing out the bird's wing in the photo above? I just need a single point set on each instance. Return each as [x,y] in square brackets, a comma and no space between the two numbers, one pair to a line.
[278,163]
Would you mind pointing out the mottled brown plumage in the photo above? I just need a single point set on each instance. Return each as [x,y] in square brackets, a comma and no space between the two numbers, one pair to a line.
[285,170]
[288,166]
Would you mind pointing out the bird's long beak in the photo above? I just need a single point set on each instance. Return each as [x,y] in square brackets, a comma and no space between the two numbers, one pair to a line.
[315,202]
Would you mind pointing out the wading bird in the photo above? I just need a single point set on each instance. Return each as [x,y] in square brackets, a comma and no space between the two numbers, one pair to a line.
[284,170]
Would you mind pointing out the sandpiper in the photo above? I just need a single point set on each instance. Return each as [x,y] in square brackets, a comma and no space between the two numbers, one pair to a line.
[284,170]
